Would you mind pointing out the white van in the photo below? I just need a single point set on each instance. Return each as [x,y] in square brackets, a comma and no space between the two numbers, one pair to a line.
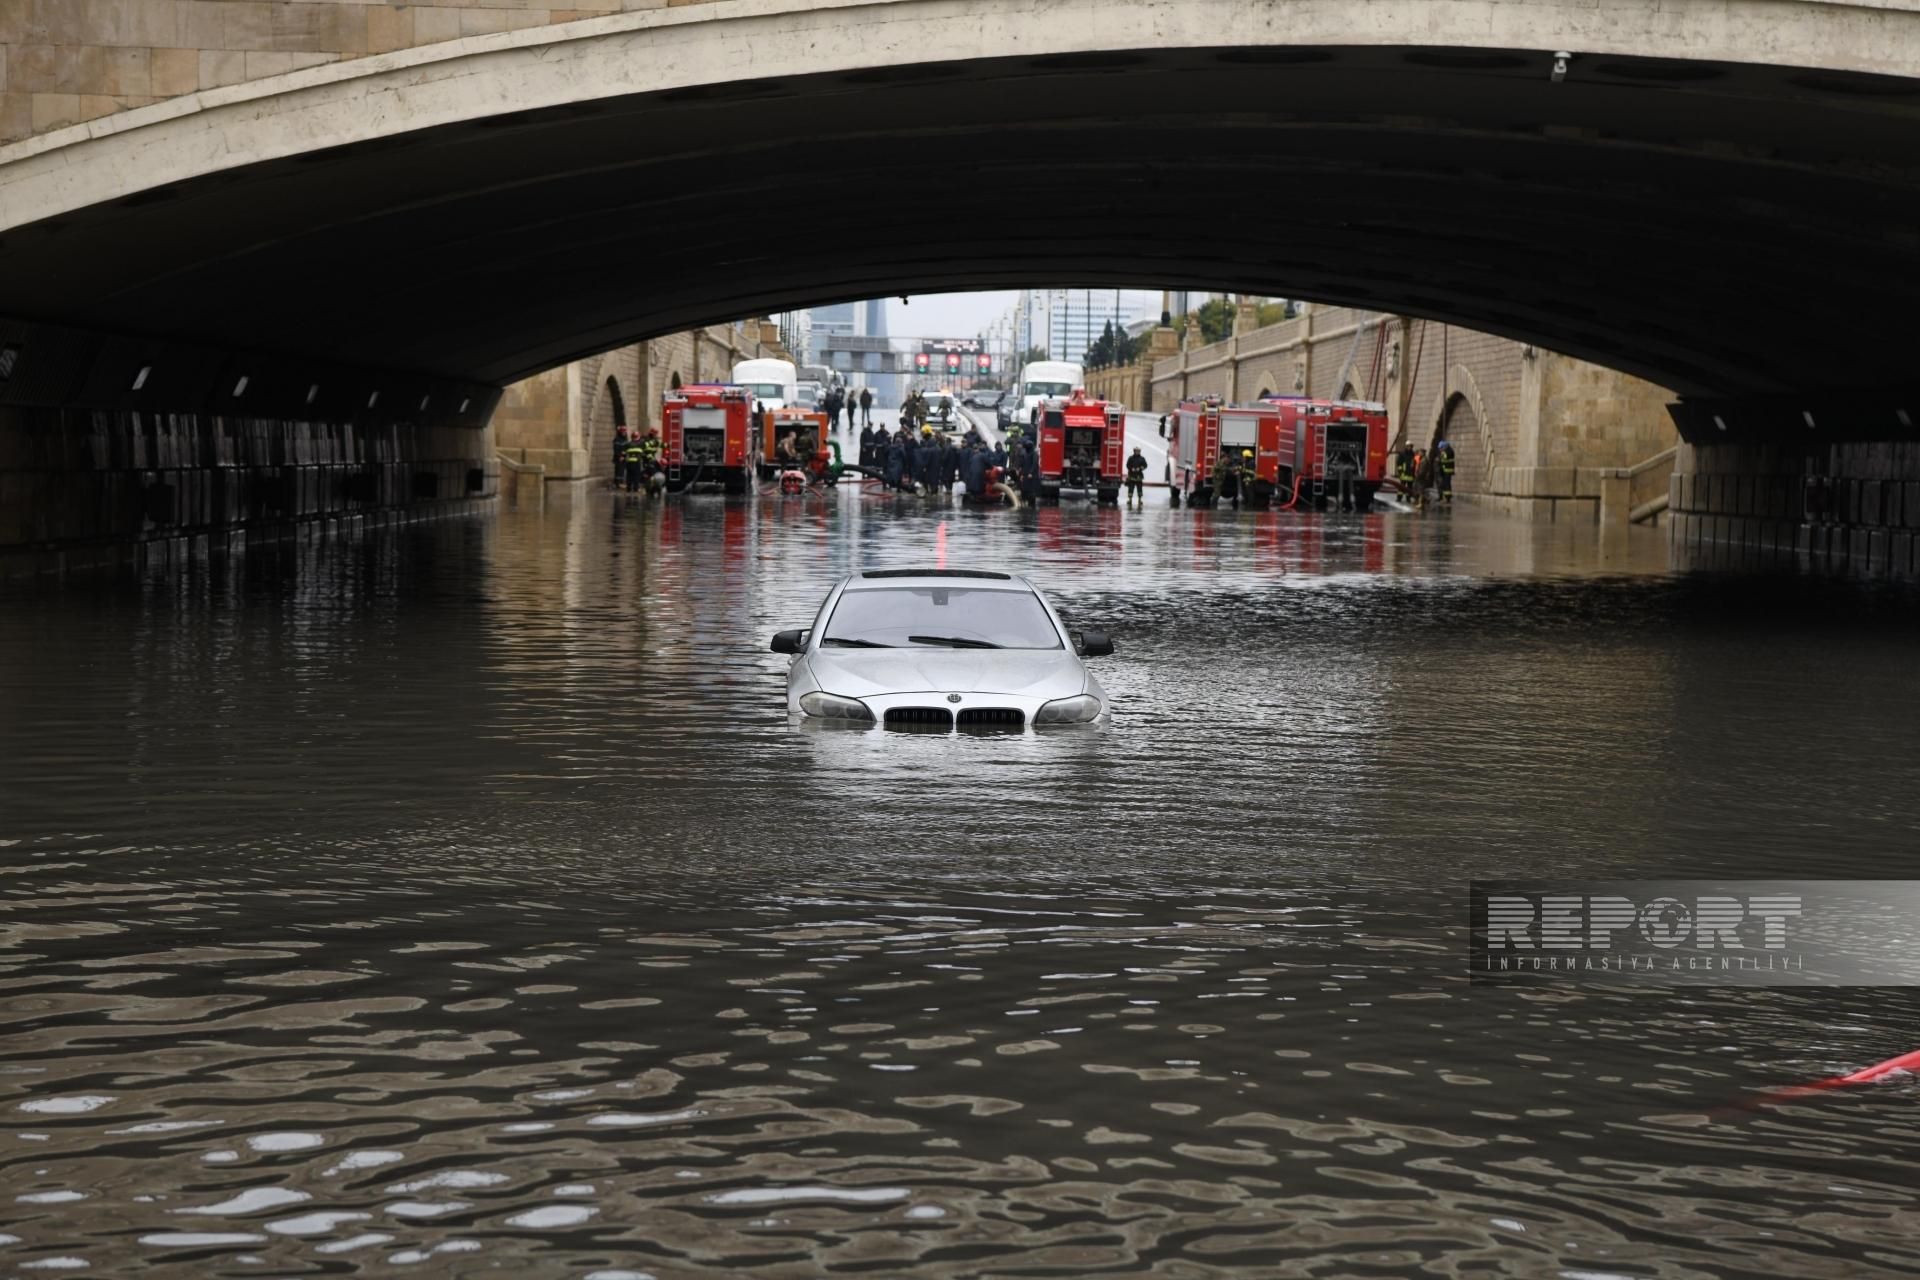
[1044,380]
[772,383]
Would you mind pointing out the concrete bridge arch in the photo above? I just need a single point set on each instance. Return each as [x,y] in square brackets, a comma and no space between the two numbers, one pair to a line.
[501,204]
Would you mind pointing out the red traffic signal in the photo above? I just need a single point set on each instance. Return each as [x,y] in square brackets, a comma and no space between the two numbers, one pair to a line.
[953,362]
[983,362]
[922,362]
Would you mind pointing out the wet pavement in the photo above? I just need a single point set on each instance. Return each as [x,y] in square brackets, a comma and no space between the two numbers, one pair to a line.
[461,901]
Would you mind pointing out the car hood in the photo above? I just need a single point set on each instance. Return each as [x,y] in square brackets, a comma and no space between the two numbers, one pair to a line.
[1030,673]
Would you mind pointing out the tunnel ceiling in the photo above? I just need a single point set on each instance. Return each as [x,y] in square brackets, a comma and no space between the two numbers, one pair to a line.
[1719,229]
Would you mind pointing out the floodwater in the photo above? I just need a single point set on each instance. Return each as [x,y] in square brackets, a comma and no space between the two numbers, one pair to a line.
[460,901]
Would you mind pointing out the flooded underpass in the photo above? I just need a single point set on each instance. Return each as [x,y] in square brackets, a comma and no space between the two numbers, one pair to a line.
[462,901]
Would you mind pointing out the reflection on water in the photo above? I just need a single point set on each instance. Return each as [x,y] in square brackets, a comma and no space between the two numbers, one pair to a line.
[462,902]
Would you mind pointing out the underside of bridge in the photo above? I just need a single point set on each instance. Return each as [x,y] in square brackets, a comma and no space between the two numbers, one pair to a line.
[1724,230]
[1745,234]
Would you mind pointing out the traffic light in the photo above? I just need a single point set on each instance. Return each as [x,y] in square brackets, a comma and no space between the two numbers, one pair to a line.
[953,362]
[922,362]
[983,362]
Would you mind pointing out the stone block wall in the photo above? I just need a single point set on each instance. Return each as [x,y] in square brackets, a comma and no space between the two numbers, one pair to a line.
[63,62]
[1851,509]
[86,489]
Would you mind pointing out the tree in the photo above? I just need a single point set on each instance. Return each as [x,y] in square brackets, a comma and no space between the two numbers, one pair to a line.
[1035,355]
[1113,347]
[1216,319]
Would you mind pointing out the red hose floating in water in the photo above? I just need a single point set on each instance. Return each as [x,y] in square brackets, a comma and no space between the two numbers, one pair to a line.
[1866,1075]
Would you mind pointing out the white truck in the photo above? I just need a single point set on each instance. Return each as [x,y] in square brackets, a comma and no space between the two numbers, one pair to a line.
[1045,380]
[774,384]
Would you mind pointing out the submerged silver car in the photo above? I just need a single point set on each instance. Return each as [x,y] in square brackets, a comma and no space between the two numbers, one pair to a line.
[939,648]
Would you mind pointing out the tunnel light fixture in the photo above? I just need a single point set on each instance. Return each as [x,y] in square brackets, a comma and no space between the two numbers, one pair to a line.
[1906,419]
[464,403]
[373,400]
[1806,416]
[423,403]
[240,387]
[140,378]
[9,357]
[1719,422]
[313,392]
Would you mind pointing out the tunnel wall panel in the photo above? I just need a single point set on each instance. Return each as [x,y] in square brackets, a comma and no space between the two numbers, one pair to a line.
[92,488]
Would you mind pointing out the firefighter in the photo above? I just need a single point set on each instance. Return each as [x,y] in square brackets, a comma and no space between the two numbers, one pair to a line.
[649,459]
[924,459]
[634,462]
[1419,478]
[896,460]
[1029,466]
[619,454]
[1403,469]
[1445,450]
[1137,477]
[866,404]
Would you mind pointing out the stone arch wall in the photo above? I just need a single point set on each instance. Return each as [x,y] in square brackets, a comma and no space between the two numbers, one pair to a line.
[1460,416]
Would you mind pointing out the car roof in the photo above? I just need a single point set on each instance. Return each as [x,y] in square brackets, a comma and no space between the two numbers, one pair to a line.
[983,579]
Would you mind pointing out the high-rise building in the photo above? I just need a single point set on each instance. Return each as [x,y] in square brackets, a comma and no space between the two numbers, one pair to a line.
[1066,321]
[841,320]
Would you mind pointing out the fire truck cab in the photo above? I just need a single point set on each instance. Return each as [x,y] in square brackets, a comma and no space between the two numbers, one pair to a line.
[1082,445]
[796,440]
[709,436]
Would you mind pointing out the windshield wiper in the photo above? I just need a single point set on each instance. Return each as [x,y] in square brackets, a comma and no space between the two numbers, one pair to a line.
[854,644]
[953,642]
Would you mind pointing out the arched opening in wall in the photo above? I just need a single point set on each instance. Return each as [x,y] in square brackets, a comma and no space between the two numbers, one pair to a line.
[618,403]
[1265,391]
[1461,427]
[1346,391]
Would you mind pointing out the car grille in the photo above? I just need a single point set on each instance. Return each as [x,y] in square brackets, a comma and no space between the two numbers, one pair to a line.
[992,718]
[920,716]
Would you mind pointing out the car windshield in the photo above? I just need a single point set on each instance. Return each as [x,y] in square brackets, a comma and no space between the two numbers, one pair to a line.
[767,390]
[1049,388]
[940,617]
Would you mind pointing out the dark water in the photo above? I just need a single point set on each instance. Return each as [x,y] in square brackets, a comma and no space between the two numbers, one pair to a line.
[461,901]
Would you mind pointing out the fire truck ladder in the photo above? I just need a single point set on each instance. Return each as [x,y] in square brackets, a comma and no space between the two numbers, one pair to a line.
[1317,462]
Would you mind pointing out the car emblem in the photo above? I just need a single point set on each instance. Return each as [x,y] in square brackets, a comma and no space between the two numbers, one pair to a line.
[953,697]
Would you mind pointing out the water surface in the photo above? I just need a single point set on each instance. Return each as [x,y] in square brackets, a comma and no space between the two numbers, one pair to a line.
[460,901]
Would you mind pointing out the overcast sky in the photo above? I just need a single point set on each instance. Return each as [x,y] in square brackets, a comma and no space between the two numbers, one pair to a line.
[958,315]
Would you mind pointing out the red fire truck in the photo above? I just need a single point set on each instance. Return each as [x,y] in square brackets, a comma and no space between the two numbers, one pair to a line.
[1083,445]
[810,439]
[709,437]
[1203,432]
[1303,451]
[1335,454]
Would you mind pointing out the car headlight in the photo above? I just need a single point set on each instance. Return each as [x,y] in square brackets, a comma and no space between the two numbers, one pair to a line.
[830,707]
[1075,710]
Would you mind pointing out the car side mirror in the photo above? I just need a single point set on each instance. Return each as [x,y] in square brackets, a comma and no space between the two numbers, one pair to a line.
[1093,644]
[1163,428]
[789,641]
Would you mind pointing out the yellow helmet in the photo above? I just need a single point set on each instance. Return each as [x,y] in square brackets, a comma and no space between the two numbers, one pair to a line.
[1246,453]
